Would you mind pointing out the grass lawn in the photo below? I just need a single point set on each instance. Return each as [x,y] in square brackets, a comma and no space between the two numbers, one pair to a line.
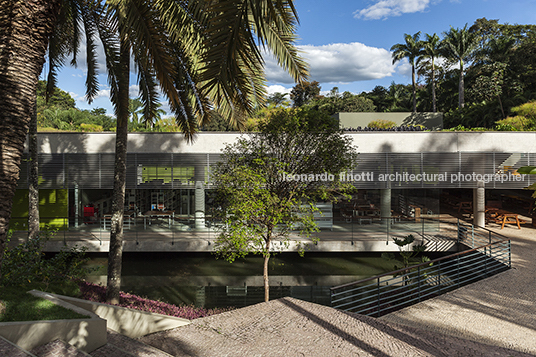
[17,305]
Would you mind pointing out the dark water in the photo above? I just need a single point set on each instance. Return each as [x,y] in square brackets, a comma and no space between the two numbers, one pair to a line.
[203,280]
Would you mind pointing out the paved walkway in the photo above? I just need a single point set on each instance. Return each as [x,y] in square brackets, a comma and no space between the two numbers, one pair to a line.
[499,311]
[289,327]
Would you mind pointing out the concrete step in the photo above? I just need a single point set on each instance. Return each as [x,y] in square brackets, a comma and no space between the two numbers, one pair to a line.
[110,350]
[122,346]
[58,348]
[10,349]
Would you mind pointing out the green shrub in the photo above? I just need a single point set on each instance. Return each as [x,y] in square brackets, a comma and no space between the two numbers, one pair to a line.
[527,110]
[25,265]
[517,123]
[91,128]
[381,124]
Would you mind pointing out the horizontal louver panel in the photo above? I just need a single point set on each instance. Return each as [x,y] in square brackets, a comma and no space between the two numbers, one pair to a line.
[373,170]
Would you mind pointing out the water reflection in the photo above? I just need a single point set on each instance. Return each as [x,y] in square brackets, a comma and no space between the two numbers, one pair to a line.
[200,279]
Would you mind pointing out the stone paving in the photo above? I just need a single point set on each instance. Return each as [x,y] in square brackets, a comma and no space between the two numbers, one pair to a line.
[9,349]
[498,311]
[291,327]
[58,348]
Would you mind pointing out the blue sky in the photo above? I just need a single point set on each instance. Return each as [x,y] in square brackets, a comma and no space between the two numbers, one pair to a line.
[347,42]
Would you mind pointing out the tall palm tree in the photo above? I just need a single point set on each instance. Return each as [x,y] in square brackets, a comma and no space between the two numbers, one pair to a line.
[26,27]
[459,45]
[410,50]
[431,50]
[199,53]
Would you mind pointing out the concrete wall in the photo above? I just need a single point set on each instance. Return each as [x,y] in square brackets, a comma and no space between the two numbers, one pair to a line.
[369,142]
[85,334]
[431,121]
[128,322]
[416,142]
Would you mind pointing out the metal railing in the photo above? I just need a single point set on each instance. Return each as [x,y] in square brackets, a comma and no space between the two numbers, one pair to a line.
[487,253]
[177,227]
[98,228]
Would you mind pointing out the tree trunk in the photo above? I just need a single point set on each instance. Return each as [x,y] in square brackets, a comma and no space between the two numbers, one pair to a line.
[33,178]
[115,254]
[434,107]
[414,88]
[25,30]
[265,271]
[461,101]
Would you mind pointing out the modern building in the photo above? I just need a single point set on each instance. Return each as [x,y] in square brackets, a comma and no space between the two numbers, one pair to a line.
[404,180]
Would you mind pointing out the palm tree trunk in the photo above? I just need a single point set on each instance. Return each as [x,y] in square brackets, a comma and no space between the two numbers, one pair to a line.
[434,107]
[414,88]
[461,100]
[33,178]
[25,29]
[115,254]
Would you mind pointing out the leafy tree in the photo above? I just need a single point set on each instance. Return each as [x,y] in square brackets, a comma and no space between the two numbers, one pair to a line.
[304,92]
[345,103]
[411,50]
[400,97]
[259,203]
[277,99]
[459,46]
[217,123]
[135,107]
[380,98]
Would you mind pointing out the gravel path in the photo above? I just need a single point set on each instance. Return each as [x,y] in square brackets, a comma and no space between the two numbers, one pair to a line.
[291,327]
[499,310]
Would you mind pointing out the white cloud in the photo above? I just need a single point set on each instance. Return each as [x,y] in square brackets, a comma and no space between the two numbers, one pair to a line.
[386,8]
[277,89]
[338,63]
[103,93]
[75,96]
[133,91]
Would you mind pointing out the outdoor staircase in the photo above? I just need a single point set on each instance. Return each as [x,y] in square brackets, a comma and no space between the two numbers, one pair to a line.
[9,349]
[118,346]
[509,162]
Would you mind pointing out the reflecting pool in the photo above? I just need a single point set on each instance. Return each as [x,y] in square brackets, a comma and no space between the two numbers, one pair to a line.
[203,280]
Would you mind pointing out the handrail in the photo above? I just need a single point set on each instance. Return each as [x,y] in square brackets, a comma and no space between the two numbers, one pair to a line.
[423,264]
[393,290]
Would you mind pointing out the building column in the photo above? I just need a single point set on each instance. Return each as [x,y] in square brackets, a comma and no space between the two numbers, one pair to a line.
[479,205]
[199,214]
[199,196]
[385,207]
[76,205]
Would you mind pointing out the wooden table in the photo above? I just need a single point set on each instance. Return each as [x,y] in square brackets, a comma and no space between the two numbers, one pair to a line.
[504,217]
[158,214]
[466,206]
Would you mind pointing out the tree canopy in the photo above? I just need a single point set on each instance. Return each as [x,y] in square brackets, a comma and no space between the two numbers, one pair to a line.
[268,182]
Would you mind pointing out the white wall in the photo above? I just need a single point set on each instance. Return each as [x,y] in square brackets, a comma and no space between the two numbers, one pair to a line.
[367,142]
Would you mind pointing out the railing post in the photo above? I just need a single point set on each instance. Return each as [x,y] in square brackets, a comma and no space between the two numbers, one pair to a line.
[422,220]
[439,277]
[379,305]
[509,254]
[486,261]
[458,270]
[419,281]
[473,235]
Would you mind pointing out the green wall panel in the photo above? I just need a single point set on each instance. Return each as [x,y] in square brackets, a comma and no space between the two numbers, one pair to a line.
[53,209]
